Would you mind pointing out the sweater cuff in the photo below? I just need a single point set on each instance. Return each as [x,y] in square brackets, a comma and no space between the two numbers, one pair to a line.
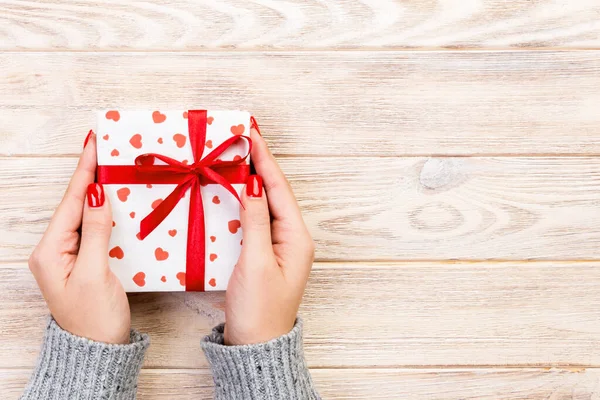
[70,366]
[271,370]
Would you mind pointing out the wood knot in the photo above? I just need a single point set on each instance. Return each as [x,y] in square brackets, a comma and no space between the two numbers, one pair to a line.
[441,173]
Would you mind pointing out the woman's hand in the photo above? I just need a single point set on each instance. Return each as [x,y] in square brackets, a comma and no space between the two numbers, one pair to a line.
[267,284]
[71,269]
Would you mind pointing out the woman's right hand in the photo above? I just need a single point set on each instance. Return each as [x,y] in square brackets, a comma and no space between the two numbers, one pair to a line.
[267,284]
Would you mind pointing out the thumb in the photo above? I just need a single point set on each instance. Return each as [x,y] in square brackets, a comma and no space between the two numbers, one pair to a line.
[255,219]
[97,224]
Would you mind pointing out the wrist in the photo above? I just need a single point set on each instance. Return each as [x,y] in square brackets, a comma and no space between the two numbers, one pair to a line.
[101,333]
[248,336]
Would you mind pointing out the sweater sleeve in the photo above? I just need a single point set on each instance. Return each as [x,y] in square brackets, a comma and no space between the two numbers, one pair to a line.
[71,367]
[265,371]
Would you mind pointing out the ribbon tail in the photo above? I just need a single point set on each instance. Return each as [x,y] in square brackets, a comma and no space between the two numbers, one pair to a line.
[152,220]
[195,269]
[223,182]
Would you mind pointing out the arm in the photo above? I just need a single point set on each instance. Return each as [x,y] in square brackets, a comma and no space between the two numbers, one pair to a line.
[89,351]
[259,349]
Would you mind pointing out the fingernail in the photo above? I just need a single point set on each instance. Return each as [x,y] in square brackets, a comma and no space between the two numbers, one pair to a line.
[254,186]
[254,124]
[95,195]
[87,138]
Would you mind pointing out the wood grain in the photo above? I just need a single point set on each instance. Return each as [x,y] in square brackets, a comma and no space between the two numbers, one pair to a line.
[385,208]
[391,384]
[371,315]
[297,24]
[320,103]
[405,151]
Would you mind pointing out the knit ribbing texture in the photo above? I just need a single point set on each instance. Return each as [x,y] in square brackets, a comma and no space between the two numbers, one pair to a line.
[72,367]
[267,371]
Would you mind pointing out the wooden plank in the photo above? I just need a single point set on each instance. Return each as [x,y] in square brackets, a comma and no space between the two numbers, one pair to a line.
[392,384]
[366,315]
[385,208]
[320,103]
[188,25]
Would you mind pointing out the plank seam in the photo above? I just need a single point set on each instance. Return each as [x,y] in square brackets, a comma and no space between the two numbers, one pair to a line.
[412,155]
[567,367]
[340,49]
[389,264]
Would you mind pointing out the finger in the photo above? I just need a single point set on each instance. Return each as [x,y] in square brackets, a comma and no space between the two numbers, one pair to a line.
[255,219]
[96,227]
[67,217]
[282,203]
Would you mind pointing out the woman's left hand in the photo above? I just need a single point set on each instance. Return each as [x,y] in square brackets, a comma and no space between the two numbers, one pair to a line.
[71,269]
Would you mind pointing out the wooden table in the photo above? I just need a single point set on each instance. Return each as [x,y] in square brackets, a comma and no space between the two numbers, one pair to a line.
[444,154]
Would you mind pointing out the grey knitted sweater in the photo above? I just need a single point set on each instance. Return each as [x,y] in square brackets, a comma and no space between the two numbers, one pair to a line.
[71,367]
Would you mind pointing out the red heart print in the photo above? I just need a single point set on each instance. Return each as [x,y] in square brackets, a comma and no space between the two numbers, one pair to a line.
[105,137]
[181,277]
[132,214]
[123,193]
[163,278]
[184,162]
[209,120]
[138,235]
[160,254]
[114,153]
[212,282]
[140,279]
[216,200]
[136,141]
[185,114]
[156,203]
[237,158]
[234,225]
[149,186]
[179,139]
[113,114]
[116,252]
[158,118]
[173,232]
[213,238]
[209,144]
[213,257]
[238,129]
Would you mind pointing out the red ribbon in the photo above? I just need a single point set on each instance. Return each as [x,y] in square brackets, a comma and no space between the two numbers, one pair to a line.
[201,172]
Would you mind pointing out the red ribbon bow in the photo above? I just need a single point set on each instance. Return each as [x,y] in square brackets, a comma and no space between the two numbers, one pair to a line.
[201,172]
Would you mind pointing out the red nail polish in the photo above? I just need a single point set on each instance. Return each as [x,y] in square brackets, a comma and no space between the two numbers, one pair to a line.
[95,195]
[87,138]
[254,186]
[254,124]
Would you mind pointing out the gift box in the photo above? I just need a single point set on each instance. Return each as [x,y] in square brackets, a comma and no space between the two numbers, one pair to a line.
[174,181]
